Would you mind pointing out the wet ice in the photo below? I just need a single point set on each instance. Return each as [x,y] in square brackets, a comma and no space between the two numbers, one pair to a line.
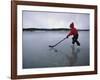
[38,54]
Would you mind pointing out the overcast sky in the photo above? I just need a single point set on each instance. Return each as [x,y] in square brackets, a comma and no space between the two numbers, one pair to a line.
[32,19]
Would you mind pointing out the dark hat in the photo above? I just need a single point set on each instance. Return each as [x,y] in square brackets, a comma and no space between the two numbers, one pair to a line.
[72,25]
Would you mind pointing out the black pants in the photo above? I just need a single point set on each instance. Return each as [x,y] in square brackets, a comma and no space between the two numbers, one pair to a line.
[75,40]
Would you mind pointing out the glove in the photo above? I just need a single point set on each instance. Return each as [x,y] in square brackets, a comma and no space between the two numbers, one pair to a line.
[67,36]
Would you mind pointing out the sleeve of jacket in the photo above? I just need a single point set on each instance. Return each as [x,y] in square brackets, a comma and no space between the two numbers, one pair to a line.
[70,33]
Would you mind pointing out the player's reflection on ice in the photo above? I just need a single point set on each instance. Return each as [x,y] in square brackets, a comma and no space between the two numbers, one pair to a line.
[72,57]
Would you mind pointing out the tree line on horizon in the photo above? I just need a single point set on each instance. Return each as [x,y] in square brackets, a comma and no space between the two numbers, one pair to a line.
[50,29]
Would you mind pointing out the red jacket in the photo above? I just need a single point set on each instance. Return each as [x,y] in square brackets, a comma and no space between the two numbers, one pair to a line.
[73,31]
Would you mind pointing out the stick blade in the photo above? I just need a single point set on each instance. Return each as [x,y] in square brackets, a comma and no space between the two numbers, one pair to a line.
[51,46]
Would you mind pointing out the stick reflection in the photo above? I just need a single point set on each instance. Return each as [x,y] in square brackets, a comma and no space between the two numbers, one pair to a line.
[72,57]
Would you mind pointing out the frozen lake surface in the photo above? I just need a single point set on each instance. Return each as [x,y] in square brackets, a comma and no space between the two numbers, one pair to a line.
[38,54]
